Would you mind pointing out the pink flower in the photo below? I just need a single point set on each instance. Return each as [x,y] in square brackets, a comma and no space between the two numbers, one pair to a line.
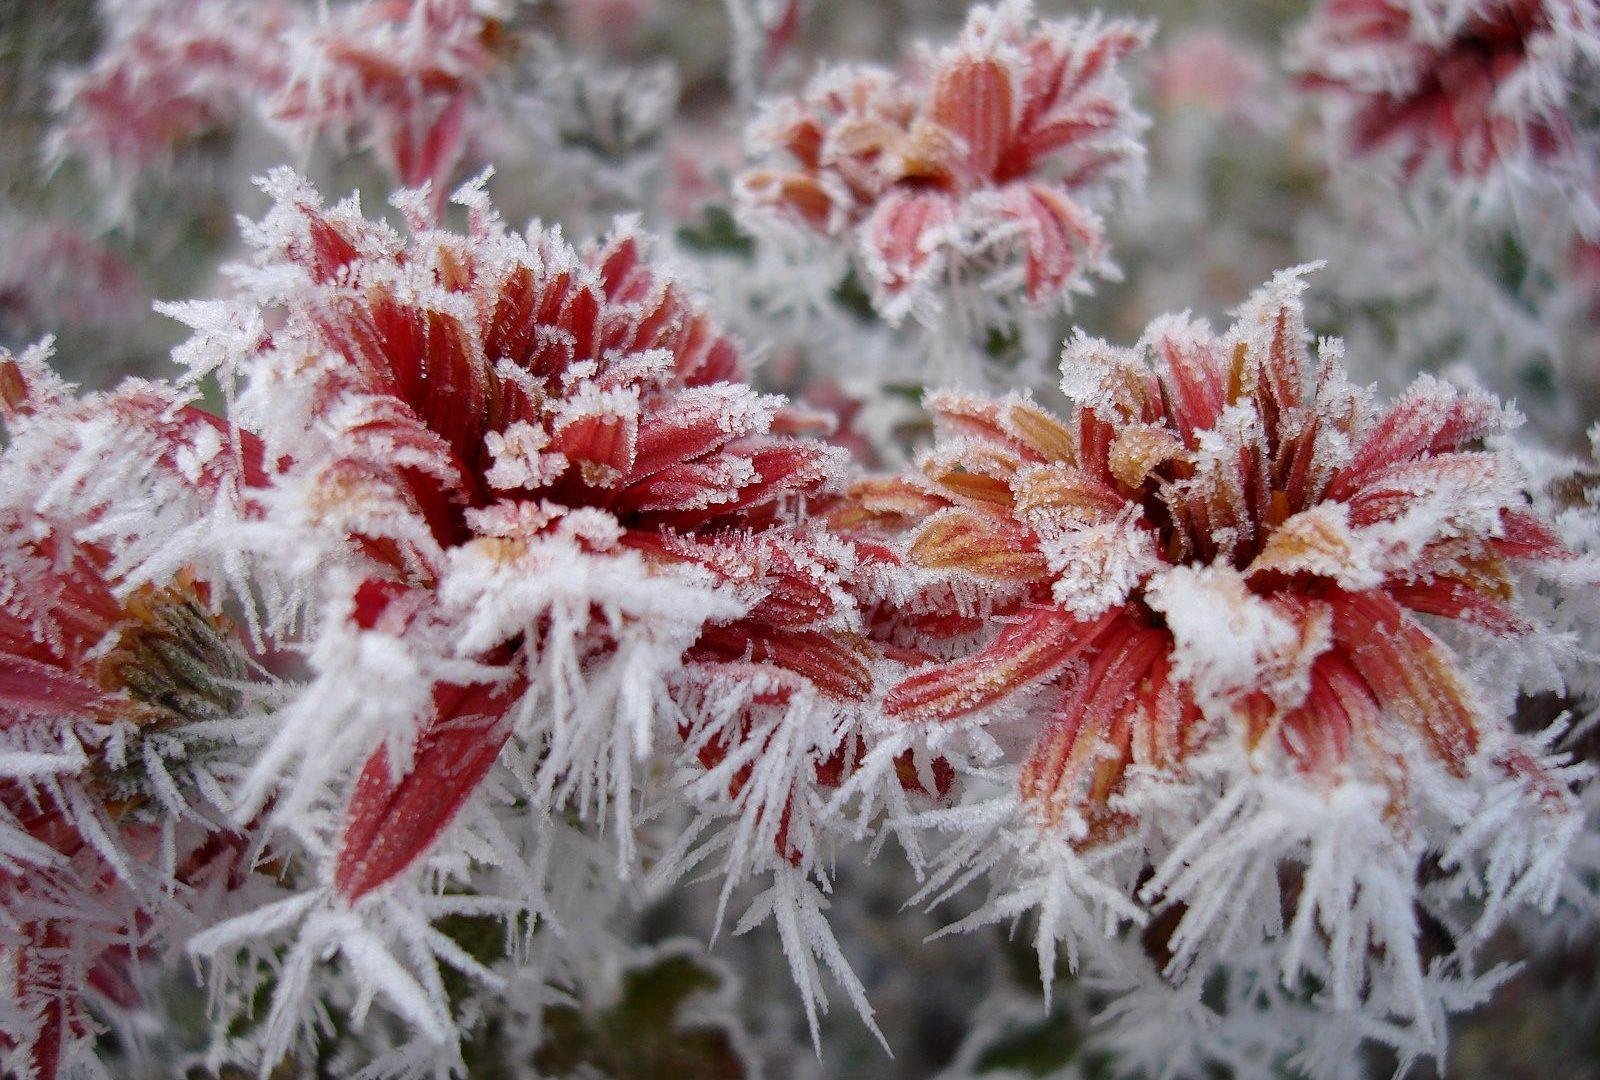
[988,163]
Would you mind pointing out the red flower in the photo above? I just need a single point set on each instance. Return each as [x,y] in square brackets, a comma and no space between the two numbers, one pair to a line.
[1208,547]
[989,161]
[401,76]
[1471,86]
[510,416]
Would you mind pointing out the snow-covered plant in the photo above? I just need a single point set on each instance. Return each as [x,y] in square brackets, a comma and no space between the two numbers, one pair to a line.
[1229,608]
[969,190]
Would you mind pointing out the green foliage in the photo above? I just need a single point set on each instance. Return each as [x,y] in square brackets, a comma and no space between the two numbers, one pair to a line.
[651,1031]
[716,232]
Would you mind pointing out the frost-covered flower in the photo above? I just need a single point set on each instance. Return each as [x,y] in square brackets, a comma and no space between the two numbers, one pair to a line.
[533,498]
[53,276]
[405,78]
[537,467]
[119,682]
[1491,90]
[1233,603]
[973,183]
[170,72]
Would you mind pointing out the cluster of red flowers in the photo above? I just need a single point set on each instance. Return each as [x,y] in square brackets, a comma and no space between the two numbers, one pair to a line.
[497,546]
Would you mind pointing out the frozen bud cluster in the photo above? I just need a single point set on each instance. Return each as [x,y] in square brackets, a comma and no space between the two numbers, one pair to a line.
[974,182]
[1219,596]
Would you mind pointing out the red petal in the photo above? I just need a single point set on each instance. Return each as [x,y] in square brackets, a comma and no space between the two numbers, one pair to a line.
[1526,537]
[1095,716]
[390,824]
[1410,673]
[898,232]
[833,665]
[1453,599]
[1430,418]
[1318,735]
[983,545]
[1056,229]
[1035,649]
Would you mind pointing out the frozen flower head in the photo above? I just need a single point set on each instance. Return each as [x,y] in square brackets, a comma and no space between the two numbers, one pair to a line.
[119,679]
[1491,91]
[547,532]
[404,78]
[528,476]
[1230,600]
[971,184]
[170,72]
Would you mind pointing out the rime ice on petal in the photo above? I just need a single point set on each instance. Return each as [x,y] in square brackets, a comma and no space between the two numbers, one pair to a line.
[1220,593]
[974,184]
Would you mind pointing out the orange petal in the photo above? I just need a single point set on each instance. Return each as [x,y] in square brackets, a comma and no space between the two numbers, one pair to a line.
[985,546]
[974,97]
